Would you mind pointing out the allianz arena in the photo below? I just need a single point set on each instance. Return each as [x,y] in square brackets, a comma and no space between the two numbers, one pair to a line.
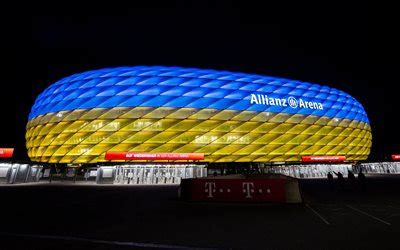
[229,117]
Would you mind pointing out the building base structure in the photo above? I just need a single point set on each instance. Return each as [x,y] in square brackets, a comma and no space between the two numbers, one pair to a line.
[172,173]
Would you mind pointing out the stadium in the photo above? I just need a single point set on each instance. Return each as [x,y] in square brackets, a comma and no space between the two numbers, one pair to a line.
[156,124]
[229,117]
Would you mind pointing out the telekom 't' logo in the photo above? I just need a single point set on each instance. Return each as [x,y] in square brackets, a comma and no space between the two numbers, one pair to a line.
[248,188]
[209,189]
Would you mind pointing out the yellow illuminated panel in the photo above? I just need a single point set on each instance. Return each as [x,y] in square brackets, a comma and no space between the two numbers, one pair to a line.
[223,136]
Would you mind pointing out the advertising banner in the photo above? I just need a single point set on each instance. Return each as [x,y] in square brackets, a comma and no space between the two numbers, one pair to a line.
[152,156]
[396,157]
[310,158]
[6,152]
[240,190]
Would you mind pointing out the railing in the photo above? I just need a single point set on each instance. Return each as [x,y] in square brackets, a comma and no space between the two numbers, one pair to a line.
[381,167]
[149,174]
[310,170]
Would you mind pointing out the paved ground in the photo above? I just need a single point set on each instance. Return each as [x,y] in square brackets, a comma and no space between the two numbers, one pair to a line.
[60,216]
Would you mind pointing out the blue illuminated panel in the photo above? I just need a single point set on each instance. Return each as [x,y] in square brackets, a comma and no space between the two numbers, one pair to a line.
[157,86]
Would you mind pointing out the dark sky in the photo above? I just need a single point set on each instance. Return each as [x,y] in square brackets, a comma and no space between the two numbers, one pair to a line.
[347,46]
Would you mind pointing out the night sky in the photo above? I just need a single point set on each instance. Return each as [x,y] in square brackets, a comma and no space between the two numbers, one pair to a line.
[349,47]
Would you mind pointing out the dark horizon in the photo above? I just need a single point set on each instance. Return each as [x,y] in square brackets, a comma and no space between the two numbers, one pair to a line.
[337,46]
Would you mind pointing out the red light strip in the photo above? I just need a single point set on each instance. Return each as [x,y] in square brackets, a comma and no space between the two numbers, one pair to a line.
[152,156]
[310,158]
[6,152]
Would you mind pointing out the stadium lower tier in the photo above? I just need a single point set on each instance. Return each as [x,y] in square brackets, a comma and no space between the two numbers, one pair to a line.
[83,136]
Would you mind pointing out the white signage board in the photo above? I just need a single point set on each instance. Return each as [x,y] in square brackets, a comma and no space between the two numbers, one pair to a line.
[107,172]
[46,173]
[3,172]
[93,173]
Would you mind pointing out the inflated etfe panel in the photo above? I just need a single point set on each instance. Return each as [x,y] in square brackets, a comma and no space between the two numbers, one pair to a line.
[230,117]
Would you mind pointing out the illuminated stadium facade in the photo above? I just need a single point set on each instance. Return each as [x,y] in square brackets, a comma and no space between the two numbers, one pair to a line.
[230,117]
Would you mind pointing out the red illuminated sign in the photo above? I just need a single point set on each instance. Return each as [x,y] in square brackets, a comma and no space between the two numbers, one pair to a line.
[153,156]
[395,157]
[6,152]
[310,158]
